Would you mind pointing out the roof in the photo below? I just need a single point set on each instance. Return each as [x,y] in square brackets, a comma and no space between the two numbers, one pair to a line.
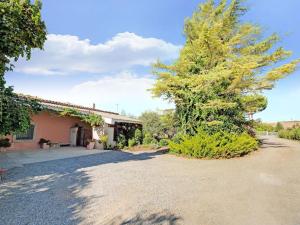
[55,105]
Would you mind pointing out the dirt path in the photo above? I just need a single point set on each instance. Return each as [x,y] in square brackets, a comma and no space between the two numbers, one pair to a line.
[262,188]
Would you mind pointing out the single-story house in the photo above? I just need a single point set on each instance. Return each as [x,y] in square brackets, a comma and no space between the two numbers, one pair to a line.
[69,131]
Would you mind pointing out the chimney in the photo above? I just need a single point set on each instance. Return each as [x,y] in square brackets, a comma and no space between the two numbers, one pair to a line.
[94,106]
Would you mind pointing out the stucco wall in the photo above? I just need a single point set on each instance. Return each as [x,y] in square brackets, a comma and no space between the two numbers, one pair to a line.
[49,126]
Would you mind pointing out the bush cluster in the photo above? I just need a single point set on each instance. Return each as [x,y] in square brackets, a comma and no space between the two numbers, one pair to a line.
[293,134]
[217,145]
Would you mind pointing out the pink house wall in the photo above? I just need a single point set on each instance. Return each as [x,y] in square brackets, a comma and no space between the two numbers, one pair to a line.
[52,127]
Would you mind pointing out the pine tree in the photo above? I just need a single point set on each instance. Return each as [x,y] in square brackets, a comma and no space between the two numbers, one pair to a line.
[222,69]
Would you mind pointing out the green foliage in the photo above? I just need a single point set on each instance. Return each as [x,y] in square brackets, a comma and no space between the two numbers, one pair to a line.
[16,111]
[21,30]
[259,126]
[279,127]
[104,140]
[169,124]
[93,119]
[138,136]
[152,124]
[221,70]
[163,142]
[121,142]
[132,142]
[158,126]
[154,142]
[147,139]
[4,143]
[292,133]
[217,145]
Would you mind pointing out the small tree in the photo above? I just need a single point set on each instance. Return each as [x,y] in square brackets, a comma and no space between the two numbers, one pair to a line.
[152,123]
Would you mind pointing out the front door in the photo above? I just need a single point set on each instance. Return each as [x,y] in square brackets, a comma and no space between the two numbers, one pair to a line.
[80,134]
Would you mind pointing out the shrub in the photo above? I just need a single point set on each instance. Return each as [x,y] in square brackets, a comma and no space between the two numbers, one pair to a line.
[147,139]
[279,127]
[292,133]
[154,142]
[131,142]
[104,140]
[138,136]
[163,142]
[217,145]
[4,143]
[121,142]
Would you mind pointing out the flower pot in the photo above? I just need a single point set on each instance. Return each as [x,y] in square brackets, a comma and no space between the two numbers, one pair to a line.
[90,145]
[45,146]
[99,146]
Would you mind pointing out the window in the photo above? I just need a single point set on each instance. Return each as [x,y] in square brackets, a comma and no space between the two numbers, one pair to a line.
[28,135]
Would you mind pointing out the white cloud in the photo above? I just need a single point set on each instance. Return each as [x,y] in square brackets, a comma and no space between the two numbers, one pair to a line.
[67,54]
[126,89]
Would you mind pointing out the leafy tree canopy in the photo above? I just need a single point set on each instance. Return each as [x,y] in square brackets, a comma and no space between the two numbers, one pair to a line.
[21,30]
[222,69]
[159,125]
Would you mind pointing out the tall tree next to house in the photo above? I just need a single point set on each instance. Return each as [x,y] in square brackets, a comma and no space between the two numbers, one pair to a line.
[222,70]
[21,30]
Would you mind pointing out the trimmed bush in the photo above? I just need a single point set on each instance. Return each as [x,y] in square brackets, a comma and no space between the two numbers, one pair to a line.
[217,145]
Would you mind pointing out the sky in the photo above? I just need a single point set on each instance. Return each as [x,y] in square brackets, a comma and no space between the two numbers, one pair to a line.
[101,52]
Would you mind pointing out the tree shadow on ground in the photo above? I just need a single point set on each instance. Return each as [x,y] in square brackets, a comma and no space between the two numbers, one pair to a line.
[271,144]
[164,217]
[47,192]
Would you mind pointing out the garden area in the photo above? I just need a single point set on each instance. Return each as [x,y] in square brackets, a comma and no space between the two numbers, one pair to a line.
[216,85]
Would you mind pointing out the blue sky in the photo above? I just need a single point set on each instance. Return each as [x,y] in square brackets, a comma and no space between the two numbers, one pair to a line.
[101,51]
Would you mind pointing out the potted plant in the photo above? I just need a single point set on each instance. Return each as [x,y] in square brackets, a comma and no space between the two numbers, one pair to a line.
[90,144]
[44,143]
[99,145]
[4,143]
[104,140]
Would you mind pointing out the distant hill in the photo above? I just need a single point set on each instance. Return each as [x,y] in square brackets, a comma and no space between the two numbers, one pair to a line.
[286,124]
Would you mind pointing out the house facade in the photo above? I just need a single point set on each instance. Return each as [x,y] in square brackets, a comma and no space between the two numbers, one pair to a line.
[66,130]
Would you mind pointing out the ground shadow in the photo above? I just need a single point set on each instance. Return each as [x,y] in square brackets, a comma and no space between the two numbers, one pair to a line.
[164,217]
[46,192]
[271,144]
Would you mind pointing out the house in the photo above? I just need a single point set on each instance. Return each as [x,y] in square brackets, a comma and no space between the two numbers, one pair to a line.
[70,131]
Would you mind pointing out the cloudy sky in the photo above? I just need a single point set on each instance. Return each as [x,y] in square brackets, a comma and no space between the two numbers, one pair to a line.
[101,52]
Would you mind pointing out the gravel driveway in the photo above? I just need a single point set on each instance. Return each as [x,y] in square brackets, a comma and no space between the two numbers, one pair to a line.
[154,188]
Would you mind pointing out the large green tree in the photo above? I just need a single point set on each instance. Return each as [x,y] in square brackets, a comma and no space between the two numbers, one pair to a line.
[21,30]
[222,69]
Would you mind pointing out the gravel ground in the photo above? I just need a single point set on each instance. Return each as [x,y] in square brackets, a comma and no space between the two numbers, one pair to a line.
[153,188]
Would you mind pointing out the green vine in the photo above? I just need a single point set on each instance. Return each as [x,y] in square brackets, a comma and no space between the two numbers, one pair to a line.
[93,119]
